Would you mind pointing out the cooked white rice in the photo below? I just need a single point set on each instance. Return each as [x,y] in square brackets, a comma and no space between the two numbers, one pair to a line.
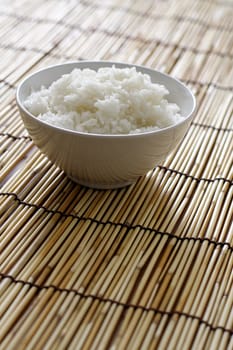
[107,101]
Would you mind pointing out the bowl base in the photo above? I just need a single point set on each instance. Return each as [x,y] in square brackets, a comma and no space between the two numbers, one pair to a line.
[101,186]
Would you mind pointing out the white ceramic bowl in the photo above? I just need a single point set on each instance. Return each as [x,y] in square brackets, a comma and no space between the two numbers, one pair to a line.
[104,161]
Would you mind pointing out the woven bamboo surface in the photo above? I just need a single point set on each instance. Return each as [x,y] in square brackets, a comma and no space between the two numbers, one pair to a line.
[149,266]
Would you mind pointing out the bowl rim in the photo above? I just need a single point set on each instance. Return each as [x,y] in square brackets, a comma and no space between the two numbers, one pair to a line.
[103,63]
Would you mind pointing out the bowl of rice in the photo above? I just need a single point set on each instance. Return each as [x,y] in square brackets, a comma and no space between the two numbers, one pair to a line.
[105,124]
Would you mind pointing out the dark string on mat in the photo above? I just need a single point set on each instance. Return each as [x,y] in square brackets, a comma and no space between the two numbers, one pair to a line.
[92,30]
[5,82]
[126,10]
[201,179]
[33,49]
[14,137]
[161,167]
[156,17]
[116,302]
[119,224]
[208,84]
[157,41]
[50,53]
[212,127]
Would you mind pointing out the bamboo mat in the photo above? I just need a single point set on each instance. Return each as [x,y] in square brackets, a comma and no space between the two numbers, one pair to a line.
[149,266]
